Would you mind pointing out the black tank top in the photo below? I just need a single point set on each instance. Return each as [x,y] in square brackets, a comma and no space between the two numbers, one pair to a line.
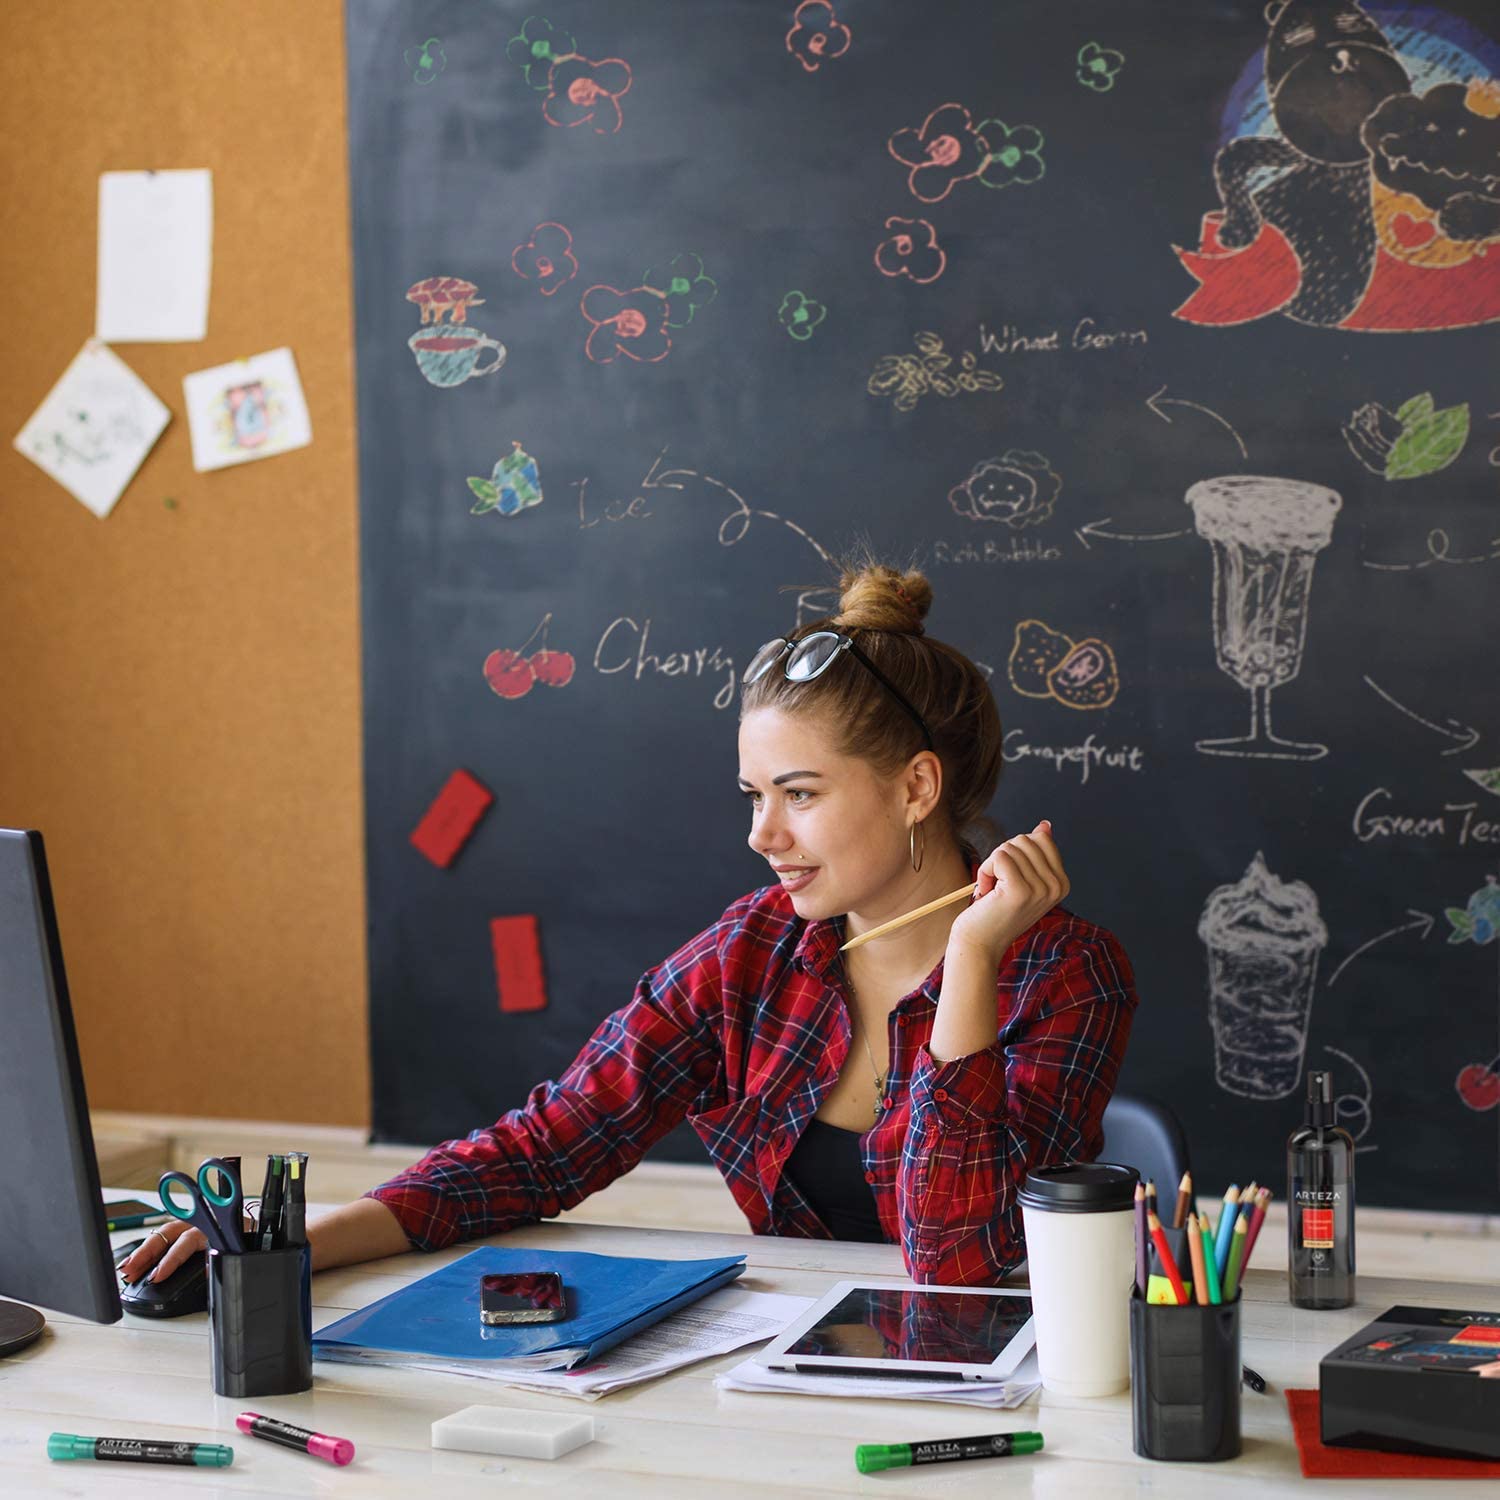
[826,1168]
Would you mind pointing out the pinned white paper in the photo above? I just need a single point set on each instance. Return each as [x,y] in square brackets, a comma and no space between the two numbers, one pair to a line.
[155,256]
[253,408]
[94,427]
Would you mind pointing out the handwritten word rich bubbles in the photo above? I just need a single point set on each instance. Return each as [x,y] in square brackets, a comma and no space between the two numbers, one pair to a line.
[1088,755]
[1010,549]
[625,646]
[1375,819]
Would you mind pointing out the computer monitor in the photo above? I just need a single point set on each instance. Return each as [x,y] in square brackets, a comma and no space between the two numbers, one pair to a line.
[54,1248]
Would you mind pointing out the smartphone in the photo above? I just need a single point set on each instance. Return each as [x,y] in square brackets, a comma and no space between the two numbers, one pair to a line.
[523,1297]
[132,1213]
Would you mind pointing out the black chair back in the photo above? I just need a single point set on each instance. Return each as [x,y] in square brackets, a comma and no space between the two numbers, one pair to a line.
[1146,1135]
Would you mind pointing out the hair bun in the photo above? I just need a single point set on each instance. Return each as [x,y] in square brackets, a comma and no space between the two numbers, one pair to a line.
[873,596]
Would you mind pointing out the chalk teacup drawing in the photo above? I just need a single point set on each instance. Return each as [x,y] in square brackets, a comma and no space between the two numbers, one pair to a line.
[1265,535]
[449,355]
[1264,937]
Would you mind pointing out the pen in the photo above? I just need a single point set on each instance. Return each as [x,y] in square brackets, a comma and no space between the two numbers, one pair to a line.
[296,1199]
[67,1445]
[270,1203]
[335,1449]
[136,1221]
[870,1458]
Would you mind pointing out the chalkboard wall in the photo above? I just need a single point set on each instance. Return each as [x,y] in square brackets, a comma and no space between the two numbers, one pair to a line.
[1187,406]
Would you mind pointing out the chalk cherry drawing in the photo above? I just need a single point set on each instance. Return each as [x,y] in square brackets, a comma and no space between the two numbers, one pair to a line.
[437,295]
[1045,663]
[1018,488]
[1413,441]
[817,35]
[513,674]
[427,61]
[800,314]
[632,323]
[1264,937]
[682,282]
[912,251]
[513,485]
[906,378]
[546,258]
[1098,67]
[1265,535]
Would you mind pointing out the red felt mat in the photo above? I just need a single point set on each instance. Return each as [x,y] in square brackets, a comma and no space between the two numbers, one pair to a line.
[1319,1462]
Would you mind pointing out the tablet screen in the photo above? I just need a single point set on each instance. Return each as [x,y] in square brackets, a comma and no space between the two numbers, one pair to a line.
[896,1323]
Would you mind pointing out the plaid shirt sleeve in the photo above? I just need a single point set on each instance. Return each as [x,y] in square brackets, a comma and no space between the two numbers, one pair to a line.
[1035,1097]
[636,1077]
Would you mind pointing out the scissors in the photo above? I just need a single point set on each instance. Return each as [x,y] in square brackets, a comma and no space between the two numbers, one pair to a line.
[220,1215]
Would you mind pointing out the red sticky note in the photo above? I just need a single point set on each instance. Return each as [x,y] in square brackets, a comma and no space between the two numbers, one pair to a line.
[518,963]
[447,824]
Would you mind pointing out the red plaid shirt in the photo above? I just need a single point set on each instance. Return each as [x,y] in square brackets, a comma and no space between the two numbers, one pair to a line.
[744,1030]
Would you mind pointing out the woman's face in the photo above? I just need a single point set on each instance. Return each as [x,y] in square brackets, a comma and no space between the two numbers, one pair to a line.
[832,830]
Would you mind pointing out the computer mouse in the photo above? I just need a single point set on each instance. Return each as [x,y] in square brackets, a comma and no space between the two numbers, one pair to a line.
[184,1291]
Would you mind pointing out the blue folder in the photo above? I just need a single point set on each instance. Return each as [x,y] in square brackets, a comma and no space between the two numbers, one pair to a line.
[609,1297]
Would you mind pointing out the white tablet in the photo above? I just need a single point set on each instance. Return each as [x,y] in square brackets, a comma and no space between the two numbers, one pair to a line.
[873,1328]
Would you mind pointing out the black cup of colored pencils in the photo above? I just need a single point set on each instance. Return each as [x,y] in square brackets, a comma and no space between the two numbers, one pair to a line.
[1208,1262]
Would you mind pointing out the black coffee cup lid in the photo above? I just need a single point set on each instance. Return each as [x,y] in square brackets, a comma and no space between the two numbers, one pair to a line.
[1094,1187]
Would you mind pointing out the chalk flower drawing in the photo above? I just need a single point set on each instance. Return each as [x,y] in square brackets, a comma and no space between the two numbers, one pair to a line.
[1265,535]
[1018,488]
[546,258]
[1413,441]
[817,35]
[444,294]
[1098,67]
[427,62]
[912,250]
[944,150]
[1264,937]
[512,487]
[583,92]
[538,46]
[906,378]
[682,282]
[1013,154]
[632,323]
[799,314]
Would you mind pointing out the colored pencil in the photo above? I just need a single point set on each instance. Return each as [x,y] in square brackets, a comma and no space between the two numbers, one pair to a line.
[1142,1270]
[1262,1198]
[1236,1261]
[959,895]
[1226,1228]
[1195,1250]
[1164,1250]
[1184,1197]
[1210,1265]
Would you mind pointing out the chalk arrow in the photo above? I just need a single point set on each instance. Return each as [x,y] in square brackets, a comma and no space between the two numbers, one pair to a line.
[1465,734]
[1096,528]
[1422,920]
[1161,399]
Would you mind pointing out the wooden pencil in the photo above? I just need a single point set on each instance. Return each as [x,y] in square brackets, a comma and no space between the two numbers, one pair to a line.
[1237,1239]
[1184,1197]
[1195,1250]
[1168,1264]
[1142,1267]
[959,895]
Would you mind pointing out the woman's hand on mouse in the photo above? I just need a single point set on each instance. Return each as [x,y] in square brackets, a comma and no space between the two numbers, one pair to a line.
[1017,885]
[164,1249]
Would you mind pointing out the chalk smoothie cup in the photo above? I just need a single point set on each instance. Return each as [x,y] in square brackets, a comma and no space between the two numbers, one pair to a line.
[1080,1249]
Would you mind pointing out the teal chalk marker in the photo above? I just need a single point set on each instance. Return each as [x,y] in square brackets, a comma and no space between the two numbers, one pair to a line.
[65,1445]
[870,1458]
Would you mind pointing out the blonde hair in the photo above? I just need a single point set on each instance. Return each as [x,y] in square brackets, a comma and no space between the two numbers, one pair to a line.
[883,610]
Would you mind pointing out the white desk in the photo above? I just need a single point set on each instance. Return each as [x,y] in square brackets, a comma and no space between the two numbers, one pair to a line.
[675,1437]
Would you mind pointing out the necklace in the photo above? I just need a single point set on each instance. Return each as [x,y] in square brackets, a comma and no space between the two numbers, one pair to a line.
[880,1078]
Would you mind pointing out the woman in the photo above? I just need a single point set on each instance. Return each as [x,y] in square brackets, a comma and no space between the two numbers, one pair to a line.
[899,1092]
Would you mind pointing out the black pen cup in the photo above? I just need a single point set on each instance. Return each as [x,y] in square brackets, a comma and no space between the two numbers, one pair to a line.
[1185,1380]
[260,1321]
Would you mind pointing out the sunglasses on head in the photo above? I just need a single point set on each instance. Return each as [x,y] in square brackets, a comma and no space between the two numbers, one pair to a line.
[813,655]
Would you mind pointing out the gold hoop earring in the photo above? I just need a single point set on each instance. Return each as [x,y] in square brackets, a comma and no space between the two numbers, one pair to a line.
[917,854]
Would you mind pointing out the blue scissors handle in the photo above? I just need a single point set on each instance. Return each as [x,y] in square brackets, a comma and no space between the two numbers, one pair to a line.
[217,1213]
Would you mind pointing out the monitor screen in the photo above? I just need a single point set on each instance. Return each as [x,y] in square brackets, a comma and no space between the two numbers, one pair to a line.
[54,1249]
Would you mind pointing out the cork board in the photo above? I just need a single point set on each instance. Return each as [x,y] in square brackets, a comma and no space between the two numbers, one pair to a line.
[181,680]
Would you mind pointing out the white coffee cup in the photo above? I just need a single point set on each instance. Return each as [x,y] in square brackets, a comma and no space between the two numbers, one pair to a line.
[1080,1250]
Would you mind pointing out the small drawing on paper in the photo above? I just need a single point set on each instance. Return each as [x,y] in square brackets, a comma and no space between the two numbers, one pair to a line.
[1264,937]
[250,409]
[94,427]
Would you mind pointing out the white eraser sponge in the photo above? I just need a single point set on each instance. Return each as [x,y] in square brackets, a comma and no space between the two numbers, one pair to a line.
[521,1431]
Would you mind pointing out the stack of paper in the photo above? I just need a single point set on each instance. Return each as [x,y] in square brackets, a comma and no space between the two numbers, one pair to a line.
[1025,1383]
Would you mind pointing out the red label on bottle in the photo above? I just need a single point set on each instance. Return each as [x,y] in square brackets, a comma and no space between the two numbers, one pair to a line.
[1317,1229]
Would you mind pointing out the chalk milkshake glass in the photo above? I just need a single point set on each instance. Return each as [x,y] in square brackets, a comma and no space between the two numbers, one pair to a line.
[1264,937]
[1265,535]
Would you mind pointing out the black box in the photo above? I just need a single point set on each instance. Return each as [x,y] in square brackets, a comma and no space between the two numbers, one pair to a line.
[1409,1383]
